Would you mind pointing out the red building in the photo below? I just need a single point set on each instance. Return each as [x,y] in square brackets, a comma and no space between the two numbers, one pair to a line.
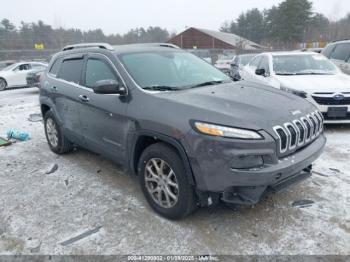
[197,38]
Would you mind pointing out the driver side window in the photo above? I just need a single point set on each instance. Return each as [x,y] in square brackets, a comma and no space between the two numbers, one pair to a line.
[253,65]
[97,70]
[22,67]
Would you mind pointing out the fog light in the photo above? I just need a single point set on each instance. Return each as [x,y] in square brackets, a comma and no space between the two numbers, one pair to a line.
[244,162]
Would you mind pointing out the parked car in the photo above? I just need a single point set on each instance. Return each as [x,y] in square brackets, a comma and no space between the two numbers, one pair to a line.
[238,63]
[204,54]
[308,75]
[15,75]
[6,63]
[224,64]
[192,135]
[313,49]
[339,53]
[33,77]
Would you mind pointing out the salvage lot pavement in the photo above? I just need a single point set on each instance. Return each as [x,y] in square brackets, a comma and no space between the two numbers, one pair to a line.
[90,206]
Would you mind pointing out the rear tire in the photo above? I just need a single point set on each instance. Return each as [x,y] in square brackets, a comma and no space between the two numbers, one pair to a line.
[164,182]
[54,135]
[3,84]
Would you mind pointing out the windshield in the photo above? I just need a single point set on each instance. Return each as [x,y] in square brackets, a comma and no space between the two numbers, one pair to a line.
[303,65]
[245,59]
[172,70]
[4,65]
[8,67]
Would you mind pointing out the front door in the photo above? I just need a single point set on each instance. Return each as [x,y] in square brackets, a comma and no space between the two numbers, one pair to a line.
[19,75]
[103,118]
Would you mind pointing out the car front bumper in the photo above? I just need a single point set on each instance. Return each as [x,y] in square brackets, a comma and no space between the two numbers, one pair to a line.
[214,170]
[324,110]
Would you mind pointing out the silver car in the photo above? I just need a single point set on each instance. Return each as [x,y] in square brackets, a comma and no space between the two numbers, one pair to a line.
[339,53]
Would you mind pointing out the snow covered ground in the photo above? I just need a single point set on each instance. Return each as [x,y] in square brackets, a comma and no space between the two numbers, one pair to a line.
[94,202]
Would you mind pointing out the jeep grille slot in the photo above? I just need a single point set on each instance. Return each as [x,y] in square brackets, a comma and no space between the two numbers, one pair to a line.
[319,122]
[314,127]
[283,138]
[308,128]
[293,135]
[299,132]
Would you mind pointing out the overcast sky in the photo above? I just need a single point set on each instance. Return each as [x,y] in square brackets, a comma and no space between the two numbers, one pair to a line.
[119,16]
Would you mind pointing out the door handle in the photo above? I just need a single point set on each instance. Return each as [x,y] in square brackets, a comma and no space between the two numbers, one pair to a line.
[84,98]
[54,89]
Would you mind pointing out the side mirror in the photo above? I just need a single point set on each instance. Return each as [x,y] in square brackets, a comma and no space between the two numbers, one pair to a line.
[234,65]
[108,87]
[260,72]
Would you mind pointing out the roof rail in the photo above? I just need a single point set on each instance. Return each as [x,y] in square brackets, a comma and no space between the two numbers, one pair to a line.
[88,45]
[339,40]
[167,45]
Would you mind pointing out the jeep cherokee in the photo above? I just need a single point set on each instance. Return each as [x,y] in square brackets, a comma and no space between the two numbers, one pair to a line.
[191,135]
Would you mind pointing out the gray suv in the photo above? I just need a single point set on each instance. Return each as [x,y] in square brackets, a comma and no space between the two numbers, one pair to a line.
[192,136]
[339,53]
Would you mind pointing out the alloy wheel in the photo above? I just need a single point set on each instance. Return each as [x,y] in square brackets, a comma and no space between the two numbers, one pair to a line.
[161,183]
[52,134]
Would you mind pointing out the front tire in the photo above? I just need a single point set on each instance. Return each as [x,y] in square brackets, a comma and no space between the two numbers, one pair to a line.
[164,182]
[54,135]
[3,84]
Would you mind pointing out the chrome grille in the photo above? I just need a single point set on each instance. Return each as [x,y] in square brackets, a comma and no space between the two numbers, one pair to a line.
[297,133]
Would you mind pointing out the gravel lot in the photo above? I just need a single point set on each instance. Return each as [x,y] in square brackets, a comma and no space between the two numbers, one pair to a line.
[39,212]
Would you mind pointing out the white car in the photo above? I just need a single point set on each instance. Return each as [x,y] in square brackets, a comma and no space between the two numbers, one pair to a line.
[308,75]
[15,74]
[224,64]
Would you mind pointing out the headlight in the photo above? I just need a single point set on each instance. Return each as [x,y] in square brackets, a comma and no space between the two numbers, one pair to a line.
[294,91]
[224,131]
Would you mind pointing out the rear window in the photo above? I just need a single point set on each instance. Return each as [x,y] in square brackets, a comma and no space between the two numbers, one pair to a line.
[70,70]
[341,52]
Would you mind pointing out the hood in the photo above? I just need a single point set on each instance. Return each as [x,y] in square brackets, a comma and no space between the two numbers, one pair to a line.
[316,83]
[242,104]
[5,73]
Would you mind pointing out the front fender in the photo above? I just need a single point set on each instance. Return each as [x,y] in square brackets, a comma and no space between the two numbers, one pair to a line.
[162,138]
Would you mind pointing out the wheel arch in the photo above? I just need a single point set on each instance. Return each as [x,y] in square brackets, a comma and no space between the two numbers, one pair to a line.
[44,108]
[3,78]
[143,139]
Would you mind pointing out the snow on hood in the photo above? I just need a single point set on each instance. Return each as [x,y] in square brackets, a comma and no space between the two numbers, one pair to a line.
[316,83]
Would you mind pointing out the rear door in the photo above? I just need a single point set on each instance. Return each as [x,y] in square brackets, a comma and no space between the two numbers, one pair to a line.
[66,87]
[340,56]
[103,116]
[19,75]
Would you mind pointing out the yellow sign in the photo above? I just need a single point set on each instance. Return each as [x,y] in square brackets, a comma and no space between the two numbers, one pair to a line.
[39,46]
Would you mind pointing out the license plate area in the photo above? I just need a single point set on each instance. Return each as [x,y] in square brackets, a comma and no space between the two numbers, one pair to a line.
[337,111]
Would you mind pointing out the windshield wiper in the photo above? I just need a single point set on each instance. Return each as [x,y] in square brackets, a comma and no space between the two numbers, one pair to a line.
[313,73]
[208,83]
[161,88]
[302,73]
[285,74]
